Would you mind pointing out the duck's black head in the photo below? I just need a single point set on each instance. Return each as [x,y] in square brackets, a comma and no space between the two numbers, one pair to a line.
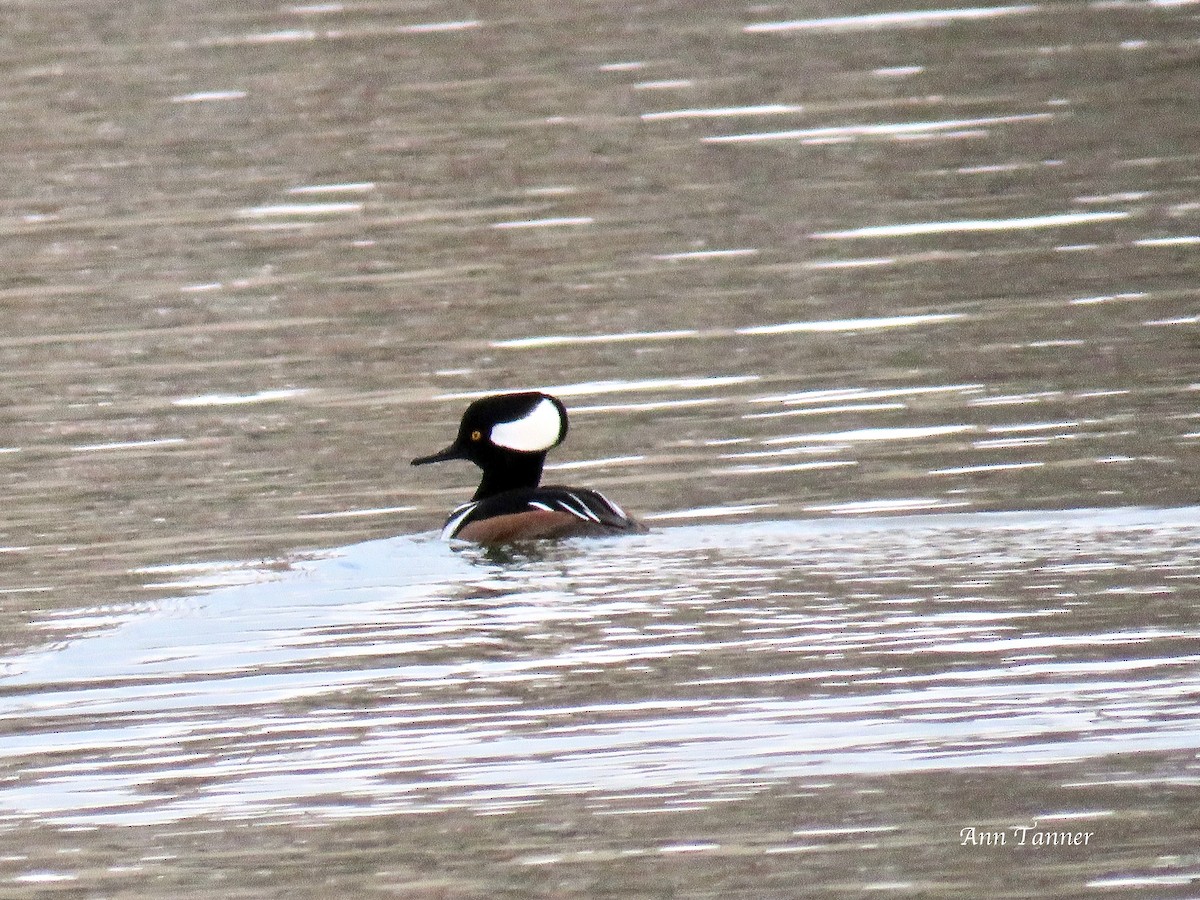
[507,436]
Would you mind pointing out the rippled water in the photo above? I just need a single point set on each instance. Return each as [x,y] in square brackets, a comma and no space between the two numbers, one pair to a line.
[884,318]
[870,686]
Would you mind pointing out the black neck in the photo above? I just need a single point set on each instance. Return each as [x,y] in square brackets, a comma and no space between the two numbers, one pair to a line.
[509,472]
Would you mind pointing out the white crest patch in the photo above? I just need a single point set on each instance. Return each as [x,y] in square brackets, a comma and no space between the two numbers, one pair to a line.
[537,430]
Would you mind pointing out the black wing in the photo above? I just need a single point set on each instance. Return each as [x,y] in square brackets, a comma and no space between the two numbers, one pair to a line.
[597,515]
[587,505]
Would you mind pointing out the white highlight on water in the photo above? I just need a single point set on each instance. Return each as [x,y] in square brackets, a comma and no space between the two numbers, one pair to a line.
[706,254]
[558,340]
[826,395]
[1108,298]
[1030,426]
[285,35]
[594,463]
[709,512]
[664,85]
[209,96]
[350,187]
[905,19]
[1141,881]
[435,27]
[552,190]
[860,507]
[828,410]
[1180,320]
[1012,443]
[651,405]
[618,386]
[907,433]
[316,9]
[1183,240]
[1015,399]
[889,129]
[129,445]
[718,112]
[911,229]
[241,399]
[852,324]
[357,513]
[300,209]
[992,467]
[560,222]
[817,265]
[766,469]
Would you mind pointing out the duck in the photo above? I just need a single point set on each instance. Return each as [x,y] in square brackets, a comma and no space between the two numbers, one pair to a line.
[508,436]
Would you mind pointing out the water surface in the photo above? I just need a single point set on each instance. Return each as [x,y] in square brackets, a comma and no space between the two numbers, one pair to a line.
[883,317]
[1042,663]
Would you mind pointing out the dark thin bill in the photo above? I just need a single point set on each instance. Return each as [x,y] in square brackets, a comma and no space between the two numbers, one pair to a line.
[451,452]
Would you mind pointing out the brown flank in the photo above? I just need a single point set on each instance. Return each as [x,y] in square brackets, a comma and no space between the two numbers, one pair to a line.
[531,525]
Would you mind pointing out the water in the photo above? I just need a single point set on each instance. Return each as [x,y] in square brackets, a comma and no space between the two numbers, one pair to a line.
[883,318]
[718,692]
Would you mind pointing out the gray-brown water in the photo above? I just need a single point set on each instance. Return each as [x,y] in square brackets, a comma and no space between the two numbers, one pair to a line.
[883,317]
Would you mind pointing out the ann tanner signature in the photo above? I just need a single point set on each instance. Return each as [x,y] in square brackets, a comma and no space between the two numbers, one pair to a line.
[1023,836]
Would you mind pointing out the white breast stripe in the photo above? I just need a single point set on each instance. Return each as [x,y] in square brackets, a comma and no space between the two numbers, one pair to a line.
[456,519]
[583,512]
[539,429]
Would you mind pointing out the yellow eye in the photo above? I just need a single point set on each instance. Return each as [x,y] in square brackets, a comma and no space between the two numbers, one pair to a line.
[476,435]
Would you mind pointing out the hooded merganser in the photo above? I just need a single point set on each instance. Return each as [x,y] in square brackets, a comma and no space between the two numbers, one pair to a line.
[508,436]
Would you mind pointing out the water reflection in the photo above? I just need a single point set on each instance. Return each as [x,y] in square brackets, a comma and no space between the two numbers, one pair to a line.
[692,664]
[898,19]
[786,262]
[945,128]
